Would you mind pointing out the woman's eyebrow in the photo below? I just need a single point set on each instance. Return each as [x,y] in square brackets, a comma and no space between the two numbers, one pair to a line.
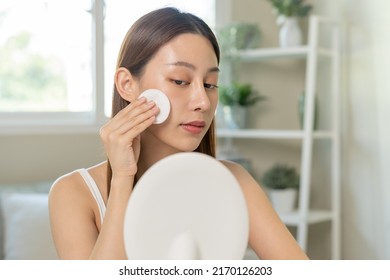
[191,66]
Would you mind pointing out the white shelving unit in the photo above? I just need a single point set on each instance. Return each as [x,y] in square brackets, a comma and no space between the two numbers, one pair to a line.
[305,216]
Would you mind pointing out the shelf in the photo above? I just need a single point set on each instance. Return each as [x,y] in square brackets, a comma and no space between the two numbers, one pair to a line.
[253,55]
[314,216]
[270,134]
[313,55]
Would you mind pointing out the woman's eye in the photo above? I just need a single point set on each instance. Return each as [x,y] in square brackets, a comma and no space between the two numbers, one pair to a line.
[180,82]
[210,86]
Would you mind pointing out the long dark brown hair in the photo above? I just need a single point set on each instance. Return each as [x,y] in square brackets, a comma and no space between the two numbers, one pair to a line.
[147,35]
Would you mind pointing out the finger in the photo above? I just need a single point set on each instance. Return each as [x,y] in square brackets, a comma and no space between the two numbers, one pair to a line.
[124,113]
[116,128]
[130,113]
[127,136]
[139,119]
[136,130]
[132,105]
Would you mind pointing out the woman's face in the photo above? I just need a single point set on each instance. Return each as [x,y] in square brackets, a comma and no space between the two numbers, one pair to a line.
[186,70]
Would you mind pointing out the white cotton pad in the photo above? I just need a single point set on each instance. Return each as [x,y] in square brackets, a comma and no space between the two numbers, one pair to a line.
[161,101]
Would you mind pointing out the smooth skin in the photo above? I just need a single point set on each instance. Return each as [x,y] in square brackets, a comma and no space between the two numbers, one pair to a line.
[186,69]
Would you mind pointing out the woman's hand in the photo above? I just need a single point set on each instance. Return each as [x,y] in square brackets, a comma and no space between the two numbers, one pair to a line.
[121,135]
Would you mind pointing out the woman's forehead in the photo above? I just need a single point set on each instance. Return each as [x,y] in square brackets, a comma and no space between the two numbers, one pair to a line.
[191,50]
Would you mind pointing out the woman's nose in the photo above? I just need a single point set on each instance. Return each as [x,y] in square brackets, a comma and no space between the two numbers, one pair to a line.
[200,100]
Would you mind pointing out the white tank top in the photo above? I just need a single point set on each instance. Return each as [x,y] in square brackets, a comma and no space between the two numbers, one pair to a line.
[95,191]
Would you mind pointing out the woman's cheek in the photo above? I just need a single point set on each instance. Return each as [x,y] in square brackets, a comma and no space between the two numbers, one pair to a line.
[175,97]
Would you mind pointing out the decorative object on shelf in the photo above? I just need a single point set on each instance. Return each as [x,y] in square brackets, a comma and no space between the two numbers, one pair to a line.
[282,183]
[239,36]
[235,100]
[288,12]
[301,111]
[290,34]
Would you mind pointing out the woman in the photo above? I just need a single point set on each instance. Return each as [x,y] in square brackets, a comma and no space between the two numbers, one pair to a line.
[178,54]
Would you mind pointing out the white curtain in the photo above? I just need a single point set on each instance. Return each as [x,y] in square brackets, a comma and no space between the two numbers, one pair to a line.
[365,125]
[381,45]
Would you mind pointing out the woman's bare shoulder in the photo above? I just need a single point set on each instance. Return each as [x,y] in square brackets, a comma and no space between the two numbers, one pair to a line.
[230,164]
[70,184]
[241,174]
[73,182]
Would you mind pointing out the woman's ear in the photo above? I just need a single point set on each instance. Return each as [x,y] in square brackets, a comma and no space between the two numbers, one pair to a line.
[126,85]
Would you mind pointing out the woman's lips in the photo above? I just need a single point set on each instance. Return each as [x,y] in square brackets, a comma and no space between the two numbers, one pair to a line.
[194,127]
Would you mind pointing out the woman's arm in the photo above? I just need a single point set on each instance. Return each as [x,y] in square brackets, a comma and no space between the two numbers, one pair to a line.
[109,244]
[268,236]
[73,221]
[75,233]
[72,218]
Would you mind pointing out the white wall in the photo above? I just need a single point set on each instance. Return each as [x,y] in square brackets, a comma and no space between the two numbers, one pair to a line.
[381,47]
[44,157]
[366,145]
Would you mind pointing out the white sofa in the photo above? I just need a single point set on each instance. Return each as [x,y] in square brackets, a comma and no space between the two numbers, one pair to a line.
[24,222]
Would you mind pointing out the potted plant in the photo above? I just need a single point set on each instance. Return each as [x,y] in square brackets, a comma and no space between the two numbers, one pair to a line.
[288,11]
[235,100]
[282,183]
[238,36]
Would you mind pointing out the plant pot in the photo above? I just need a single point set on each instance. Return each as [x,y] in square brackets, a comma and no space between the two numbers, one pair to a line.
[235,117]
[283,201]
[290,34]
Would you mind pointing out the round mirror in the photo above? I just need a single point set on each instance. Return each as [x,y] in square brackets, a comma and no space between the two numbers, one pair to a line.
[186,206]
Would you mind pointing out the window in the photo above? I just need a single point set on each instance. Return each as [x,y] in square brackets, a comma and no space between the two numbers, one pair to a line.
[45,54]
[58,58]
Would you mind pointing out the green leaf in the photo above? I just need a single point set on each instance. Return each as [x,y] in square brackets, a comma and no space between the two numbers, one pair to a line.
[239,94]
[281,176]
[291,8]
